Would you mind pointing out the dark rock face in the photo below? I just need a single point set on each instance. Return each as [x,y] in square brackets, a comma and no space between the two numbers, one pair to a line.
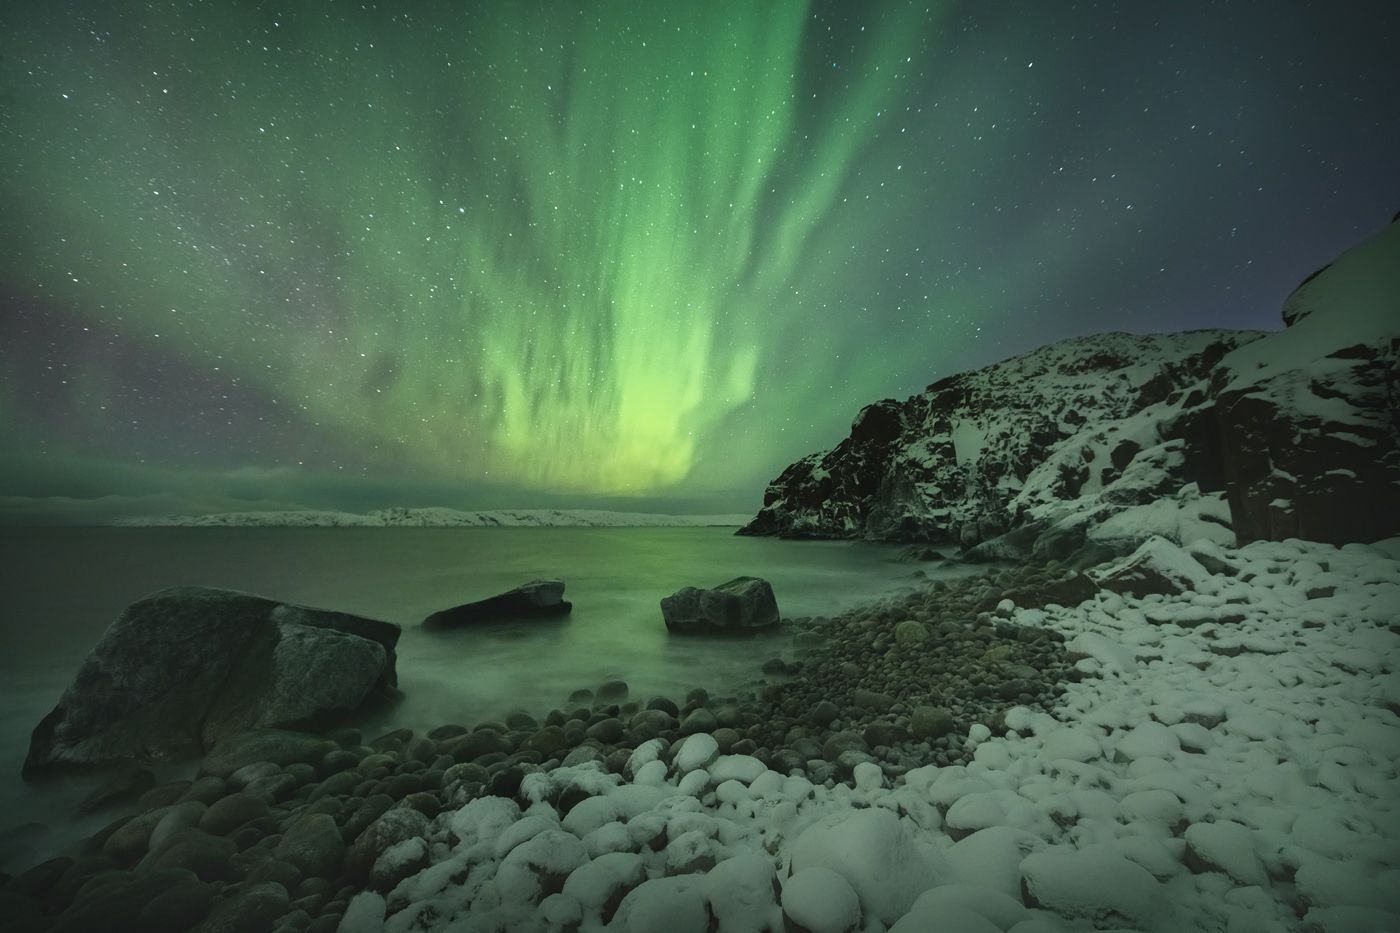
[538,599]
[744,603]
[186,667]
[1085,448]
[1311,434]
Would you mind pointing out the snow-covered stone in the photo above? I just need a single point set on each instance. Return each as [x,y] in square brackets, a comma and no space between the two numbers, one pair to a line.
[697,751]
[873,851]
[821,900]
[1224,846]
[1094,886]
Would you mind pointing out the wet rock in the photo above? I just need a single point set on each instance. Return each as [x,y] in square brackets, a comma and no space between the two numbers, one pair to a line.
[931,722]
[254,909]
[280,747]
[910,632]
[392,827]
[698,720]
[872,700]
[612,691]
[186,667]
[120,788]
[744,603]
[823,713]
[177,908]
[225,815]
[839,742]
[207,856]
[399,861]
[313,845]
[537,599]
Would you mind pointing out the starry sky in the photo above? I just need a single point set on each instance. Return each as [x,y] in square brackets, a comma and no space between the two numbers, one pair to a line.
[621,254]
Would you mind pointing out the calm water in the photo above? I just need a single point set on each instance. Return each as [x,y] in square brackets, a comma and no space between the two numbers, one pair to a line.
[65,585]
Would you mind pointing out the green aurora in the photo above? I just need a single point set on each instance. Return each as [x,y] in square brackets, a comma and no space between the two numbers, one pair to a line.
[649,250]
[549,248]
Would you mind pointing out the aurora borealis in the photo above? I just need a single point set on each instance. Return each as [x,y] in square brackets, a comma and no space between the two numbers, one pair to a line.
[481,254]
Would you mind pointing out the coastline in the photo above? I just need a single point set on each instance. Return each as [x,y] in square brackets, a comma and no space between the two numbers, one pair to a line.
[1100,755]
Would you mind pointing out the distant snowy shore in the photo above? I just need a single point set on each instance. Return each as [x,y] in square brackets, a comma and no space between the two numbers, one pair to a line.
[438,518]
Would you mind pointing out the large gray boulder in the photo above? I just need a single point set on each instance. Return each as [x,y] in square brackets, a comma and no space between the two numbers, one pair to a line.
[188,666]
[534,600]
[742,604]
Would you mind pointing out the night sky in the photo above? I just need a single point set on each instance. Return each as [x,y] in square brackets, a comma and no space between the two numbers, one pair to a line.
[636,255]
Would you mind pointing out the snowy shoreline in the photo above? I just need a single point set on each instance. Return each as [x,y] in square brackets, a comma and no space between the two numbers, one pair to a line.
[1220,758]
[1227,763]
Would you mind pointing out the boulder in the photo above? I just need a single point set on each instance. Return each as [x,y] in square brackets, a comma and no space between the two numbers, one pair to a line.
[538,599]
[1156,567]
[188,666]
[742,604]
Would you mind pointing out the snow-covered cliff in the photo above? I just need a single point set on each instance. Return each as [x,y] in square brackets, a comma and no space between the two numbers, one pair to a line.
[1102,441]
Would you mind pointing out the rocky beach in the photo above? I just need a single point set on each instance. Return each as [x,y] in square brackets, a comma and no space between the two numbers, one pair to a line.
[985,755]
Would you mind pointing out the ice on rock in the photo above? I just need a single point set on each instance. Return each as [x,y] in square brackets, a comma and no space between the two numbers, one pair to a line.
[743,768]
[875,853]
[697,751]
[1225,846]
[675,905]
[1092,885]
[740,893]
[821,900]
[364,914]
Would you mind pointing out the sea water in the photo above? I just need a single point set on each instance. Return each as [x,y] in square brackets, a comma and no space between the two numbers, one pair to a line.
[65,585]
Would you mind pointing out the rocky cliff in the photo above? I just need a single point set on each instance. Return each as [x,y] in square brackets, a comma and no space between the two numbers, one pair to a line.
[1090,445]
